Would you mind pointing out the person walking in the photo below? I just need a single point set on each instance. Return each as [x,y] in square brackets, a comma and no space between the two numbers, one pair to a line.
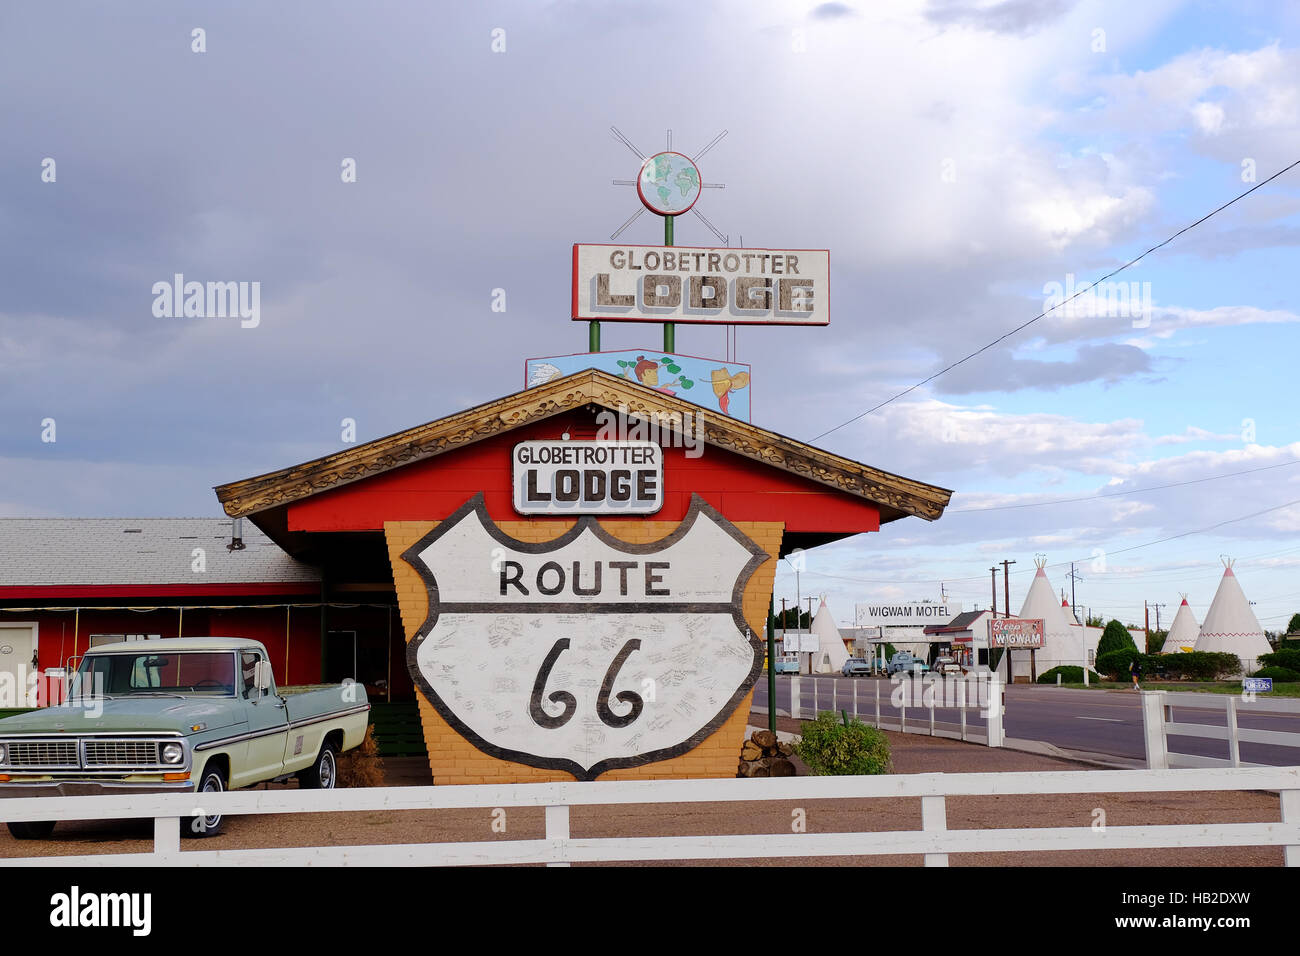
[1135,669]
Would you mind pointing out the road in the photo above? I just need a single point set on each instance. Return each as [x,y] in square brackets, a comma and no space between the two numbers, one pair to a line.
[1095,721]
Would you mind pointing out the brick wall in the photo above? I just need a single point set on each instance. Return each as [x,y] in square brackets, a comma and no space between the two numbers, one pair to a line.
[453,759]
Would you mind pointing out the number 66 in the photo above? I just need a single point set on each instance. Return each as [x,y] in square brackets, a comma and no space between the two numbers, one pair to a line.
[570,703]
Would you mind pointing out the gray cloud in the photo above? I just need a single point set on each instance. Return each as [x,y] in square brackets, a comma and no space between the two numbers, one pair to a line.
[1010,16]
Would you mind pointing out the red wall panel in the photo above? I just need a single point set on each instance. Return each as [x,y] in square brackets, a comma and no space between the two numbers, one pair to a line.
[741,489]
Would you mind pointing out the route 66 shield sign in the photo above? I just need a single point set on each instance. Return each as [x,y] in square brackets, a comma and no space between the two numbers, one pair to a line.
[585,653]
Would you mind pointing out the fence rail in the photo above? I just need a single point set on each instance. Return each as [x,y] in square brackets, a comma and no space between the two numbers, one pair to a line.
[1158,725]
[924,695]
[934,841]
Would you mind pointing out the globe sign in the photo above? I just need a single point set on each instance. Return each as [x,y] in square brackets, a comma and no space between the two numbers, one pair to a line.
[669,184]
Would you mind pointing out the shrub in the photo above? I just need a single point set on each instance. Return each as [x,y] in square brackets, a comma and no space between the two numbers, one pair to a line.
[1115,638]
[1278,673]
[1200,665]
[1114,664]
[1069,675]
[830,747]
[1286,657]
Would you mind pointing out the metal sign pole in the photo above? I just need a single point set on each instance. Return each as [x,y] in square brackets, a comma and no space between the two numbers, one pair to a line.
[670,329]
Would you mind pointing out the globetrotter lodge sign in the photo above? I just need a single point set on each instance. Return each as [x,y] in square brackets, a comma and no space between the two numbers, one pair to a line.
[585,653]
[685,284]
[588,477]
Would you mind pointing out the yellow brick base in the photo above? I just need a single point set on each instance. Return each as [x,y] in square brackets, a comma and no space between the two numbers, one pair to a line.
[453,759]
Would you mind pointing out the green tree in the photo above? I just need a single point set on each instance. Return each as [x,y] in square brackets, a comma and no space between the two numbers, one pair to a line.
[1115,638]
[1155,641]
[1294,626]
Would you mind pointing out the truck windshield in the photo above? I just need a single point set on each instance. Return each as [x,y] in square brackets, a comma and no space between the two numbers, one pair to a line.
[143,674]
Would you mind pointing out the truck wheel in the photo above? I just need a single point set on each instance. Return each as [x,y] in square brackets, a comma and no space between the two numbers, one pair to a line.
[37,830]
[214,781]
[323,774]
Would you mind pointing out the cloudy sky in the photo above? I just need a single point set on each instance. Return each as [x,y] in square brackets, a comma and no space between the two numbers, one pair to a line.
[960,159]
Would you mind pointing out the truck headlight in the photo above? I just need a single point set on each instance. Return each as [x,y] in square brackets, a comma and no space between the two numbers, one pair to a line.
[4,754]
[173,753]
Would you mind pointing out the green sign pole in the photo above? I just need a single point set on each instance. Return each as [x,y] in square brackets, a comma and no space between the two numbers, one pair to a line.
[593,336]
[670,330]
[771,664]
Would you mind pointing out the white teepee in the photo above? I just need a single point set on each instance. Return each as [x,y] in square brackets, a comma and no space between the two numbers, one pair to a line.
[831,653]
[1183,632]
[1063,638]
[1231,626]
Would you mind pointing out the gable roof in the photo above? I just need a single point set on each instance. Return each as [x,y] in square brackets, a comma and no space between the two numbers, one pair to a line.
[896,496]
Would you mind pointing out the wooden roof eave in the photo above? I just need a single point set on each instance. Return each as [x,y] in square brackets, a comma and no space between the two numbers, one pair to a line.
[895,495]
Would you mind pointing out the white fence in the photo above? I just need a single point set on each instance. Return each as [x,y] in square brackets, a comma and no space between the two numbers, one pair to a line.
[920,695]
[558,848]
[1158,724]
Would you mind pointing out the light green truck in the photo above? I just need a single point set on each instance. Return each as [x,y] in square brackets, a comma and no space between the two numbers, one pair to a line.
[187,714]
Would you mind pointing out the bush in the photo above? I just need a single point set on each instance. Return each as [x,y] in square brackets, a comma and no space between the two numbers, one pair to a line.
[1200,665]
[1115,638]
[1288,658]
[1114,664]
[830,747]
[1278,673]
[1193,665]
[1069,675]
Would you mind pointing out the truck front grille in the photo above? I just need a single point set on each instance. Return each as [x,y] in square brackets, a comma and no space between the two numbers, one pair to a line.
[122,753]
[41,754]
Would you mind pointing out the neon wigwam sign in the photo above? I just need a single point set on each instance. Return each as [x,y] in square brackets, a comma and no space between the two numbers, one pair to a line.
[688,284]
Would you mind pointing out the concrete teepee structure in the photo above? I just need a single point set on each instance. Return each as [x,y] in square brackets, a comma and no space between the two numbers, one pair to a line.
[1231,626]
[1183,632]
[831,653]
[1063,638]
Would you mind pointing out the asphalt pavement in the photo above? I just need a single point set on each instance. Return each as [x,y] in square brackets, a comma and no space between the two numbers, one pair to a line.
[1103,722]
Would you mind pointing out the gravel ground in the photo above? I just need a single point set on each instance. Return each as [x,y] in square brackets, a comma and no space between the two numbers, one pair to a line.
[912,754]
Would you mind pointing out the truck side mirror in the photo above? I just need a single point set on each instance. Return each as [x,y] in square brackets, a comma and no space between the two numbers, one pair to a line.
[262,675]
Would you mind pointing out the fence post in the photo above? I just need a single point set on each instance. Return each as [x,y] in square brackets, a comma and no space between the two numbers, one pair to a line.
[877,683]
[166,835]
[835,686]
[1153,729]
[796,701]
[961,682]
[1291,814]
[931,702]
[815,683]
[855,700]
[557,827]
[1234,745]
[994,711]
[934,817]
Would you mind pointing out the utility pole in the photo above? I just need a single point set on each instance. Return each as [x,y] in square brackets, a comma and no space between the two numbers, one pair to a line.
[1157,607]
[1006,612]
[994,608]
[1146,621]
[1074,605]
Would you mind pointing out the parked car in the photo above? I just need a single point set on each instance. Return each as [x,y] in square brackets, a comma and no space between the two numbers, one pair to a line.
[905,661]
[856,667]
[196,714]
[787,664]
[946,665]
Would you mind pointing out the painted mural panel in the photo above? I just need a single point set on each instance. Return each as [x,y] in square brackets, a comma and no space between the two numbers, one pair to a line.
[713,384]
[585,653]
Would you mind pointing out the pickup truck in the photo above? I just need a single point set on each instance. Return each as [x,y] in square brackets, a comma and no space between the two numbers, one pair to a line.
[198,714]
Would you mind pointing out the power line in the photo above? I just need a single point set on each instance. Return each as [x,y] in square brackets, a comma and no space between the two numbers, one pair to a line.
[1119,494]
[1082,290]
[1058,564]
